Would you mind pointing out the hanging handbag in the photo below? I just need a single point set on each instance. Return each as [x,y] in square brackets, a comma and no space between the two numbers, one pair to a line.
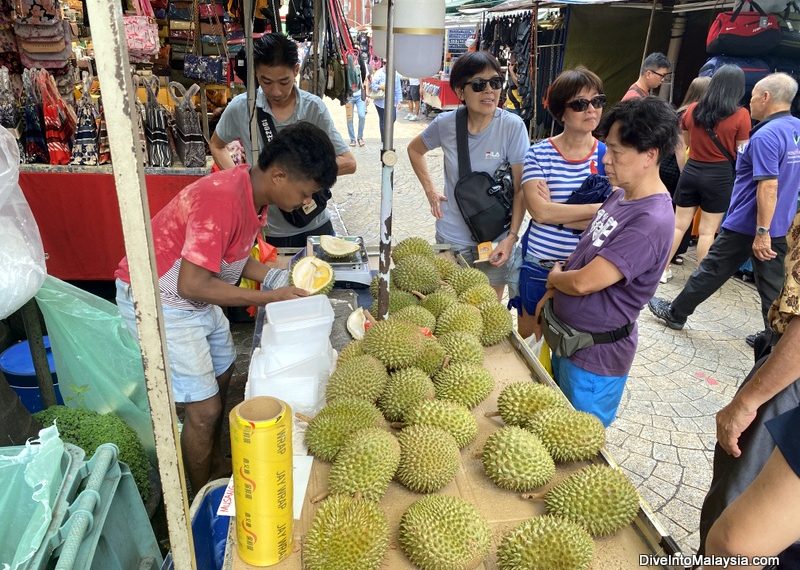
[38,12]
[85,149]
[141,32]
[59,119]
[208,68]
[9,108]
[188,131]
[33,129]
[303,215]
[210,11]
[485,201]
[742,32]
[155,126]
[789,22]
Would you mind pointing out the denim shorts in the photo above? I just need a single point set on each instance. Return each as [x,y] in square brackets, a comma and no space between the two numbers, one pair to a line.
[503,275]
[589,392]
[531,286]
[199,346]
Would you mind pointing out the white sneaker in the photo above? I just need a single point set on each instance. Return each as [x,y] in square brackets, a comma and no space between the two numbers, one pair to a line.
[413,118]
[666,276]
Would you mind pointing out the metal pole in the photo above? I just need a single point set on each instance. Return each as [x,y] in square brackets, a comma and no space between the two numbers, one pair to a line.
[649,31]
[251,81]
[114,72]
[533,68]
[388,159]
[674,50]
[33,330]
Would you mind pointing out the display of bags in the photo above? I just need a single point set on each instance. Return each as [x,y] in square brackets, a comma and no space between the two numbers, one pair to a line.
[755,69]
[33,125]
[188,131]
[743,32]
[141,32]
[59,119]
[155,125]
[85,150]
[485,201]
[790,32]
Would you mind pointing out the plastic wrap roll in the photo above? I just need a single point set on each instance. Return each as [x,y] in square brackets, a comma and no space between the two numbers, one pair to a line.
[261,444]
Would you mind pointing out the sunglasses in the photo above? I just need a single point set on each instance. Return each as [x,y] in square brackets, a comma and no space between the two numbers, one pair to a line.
[479,85]
[580,105]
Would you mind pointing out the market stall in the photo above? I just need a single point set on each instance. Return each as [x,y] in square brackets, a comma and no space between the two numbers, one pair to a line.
[436,93]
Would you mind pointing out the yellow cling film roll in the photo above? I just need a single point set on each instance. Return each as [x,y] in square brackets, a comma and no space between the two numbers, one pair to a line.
[261,445]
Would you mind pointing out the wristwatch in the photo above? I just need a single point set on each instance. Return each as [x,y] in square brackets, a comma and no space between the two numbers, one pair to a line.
[762,230]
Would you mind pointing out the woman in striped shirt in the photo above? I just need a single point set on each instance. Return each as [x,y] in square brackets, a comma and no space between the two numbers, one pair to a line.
[554,168]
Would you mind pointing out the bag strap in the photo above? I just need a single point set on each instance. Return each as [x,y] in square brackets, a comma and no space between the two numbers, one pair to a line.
[601,152]
[753,5]
[789,6]
[183,97]
[712,134]
[462,143]
[267,124]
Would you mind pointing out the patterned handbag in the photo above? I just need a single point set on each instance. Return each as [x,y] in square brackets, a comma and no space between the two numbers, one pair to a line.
[188,131]
[155,126]
[39,12]
[9,109]
[33,130]
[59,119]
[85,150]
[208,68]
[141,32]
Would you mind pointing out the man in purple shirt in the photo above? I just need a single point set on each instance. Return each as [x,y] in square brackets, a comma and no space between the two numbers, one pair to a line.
[763,204]
[618,261]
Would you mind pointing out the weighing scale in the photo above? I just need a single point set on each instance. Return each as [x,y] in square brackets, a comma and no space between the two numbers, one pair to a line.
[351,273]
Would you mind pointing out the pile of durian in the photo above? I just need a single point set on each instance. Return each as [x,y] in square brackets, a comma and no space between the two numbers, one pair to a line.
[421,372]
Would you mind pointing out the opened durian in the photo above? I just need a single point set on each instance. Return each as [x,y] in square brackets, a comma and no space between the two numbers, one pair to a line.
[338,248]
[313,275]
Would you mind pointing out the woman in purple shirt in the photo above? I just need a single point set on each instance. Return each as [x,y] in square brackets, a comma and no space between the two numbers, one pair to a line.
[617,263]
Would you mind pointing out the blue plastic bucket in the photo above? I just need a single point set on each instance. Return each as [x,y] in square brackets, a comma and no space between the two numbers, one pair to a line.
[16,363]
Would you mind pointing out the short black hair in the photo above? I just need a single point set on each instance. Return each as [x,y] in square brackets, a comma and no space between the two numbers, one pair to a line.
[644,123]
[569,83]
[275,50]
[655,61]
[305,151]
[470,63]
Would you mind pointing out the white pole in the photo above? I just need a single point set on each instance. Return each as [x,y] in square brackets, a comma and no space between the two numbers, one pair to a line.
[251,81]
[389,159]
[113,70]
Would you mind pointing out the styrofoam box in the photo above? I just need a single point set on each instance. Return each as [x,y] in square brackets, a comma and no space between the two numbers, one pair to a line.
[305,320]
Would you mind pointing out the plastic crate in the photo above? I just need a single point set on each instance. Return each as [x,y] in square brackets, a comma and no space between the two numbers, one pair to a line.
[106,527]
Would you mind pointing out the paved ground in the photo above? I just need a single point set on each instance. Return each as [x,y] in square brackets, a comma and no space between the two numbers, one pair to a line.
[664,436]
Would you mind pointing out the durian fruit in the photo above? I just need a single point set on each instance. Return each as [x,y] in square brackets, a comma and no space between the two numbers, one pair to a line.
[395,343]
[546,543]
[599,498]
[460,317]
[449,416]
[468,277]
[429,458]
[438,301]
[329,430]
[398,300]
[462,347]
[346,534]
[415,315]
[497,323]
[404,390]
[516,460]
[518,402]
[362,377]
[313,275]
[465,384]
[365,464]
[431,356]
[440,532]
[445,267]
[568,435]
[478,294]
[416,273]
[411,246]
[353,348]
[338,248]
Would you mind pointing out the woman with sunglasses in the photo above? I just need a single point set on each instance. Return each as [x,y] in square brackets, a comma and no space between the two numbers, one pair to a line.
[713,128]
[554,169]
[495,137]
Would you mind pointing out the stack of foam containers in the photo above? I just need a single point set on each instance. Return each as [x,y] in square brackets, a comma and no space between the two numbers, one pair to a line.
[295,358]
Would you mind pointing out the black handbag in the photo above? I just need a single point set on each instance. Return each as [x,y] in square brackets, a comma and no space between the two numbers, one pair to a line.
[485,201]
[302,216]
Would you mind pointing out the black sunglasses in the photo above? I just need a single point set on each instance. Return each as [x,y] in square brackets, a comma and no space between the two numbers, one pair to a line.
[479,85]
[580,105]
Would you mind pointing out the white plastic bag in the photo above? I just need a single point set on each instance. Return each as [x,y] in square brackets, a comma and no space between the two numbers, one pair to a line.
[22,268]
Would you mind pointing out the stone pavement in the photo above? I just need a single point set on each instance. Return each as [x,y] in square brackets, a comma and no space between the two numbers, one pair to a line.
[665,433]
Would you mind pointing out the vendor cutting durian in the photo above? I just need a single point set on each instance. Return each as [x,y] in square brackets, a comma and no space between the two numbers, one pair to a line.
[202,240]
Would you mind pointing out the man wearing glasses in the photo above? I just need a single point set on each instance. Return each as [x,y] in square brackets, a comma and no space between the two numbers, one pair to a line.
[655,69]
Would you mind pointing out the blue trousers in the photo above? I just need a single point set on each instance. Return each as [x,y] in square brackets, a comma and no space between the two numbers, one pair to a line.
[361,108]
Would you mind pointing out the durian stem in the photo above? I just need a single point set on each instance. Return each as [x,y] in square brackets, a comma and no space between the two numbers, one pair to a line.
[397,425]
[419,295]
[491,414]
[533,496]
[369,316]
[446,361]
[321,497]
[303,417]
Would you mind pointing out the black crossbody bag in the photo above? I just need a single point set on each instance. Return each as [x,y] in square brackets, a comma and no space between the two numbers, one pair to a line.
[303,215]
[485,201]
